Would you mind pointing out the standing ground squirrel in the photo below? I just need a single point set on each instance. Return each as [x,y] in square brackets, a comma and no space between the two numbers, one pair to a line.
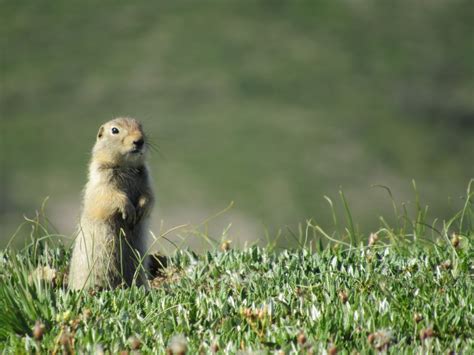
[110,247]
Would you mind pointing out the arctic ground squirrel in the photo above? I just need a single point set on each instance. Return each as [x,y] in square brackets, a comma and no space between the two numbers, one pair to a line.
[109,250]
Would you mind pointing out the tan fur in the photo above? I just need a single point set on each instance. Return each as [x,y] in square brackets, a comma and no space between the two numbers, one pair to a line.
[118,199]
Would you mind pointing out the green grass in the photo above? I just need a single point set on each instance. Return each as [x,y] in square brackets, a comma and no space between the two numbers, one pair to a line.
[410,290]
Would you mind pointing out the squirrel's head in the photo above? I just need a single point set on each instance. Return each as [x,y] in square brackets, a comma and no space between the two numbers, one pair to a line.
[120,142]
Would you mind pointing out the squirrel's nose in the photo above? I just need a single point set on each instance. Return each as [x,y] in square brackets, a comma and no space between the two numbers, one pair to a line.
[139,143]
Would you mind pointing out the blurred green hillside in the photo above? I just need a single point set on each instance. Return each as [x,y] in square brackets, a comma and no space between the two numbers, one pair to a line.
[270,104]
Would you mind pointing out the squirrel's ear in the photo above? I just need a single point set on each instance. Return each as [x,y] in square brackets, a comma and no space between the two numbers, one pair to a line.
[101,132]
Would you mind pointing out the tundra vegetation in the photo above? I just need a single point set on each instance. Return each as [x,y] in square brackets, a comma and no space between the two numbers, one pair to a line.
[406,288]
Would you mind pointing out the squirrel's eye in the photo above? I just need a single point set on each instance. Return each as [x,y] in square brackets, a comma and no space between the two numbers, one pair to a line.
[115,130]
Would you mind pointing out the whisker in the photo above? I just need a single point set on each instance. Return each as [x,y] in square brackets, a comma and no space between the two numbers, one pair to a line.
[154,147]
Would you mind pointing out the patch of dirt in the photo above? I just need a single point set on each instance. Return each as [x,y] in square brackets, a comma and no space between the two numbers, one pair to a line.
[161,272]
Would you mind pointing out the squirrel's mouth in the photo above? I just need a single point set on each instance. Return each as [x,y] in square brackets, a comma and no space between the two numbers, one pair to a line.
[136,151]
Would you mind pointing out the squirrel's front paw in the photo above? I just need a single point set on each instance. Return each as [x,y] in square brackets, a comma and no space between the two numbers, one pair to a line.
[128,213]
[143,207]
